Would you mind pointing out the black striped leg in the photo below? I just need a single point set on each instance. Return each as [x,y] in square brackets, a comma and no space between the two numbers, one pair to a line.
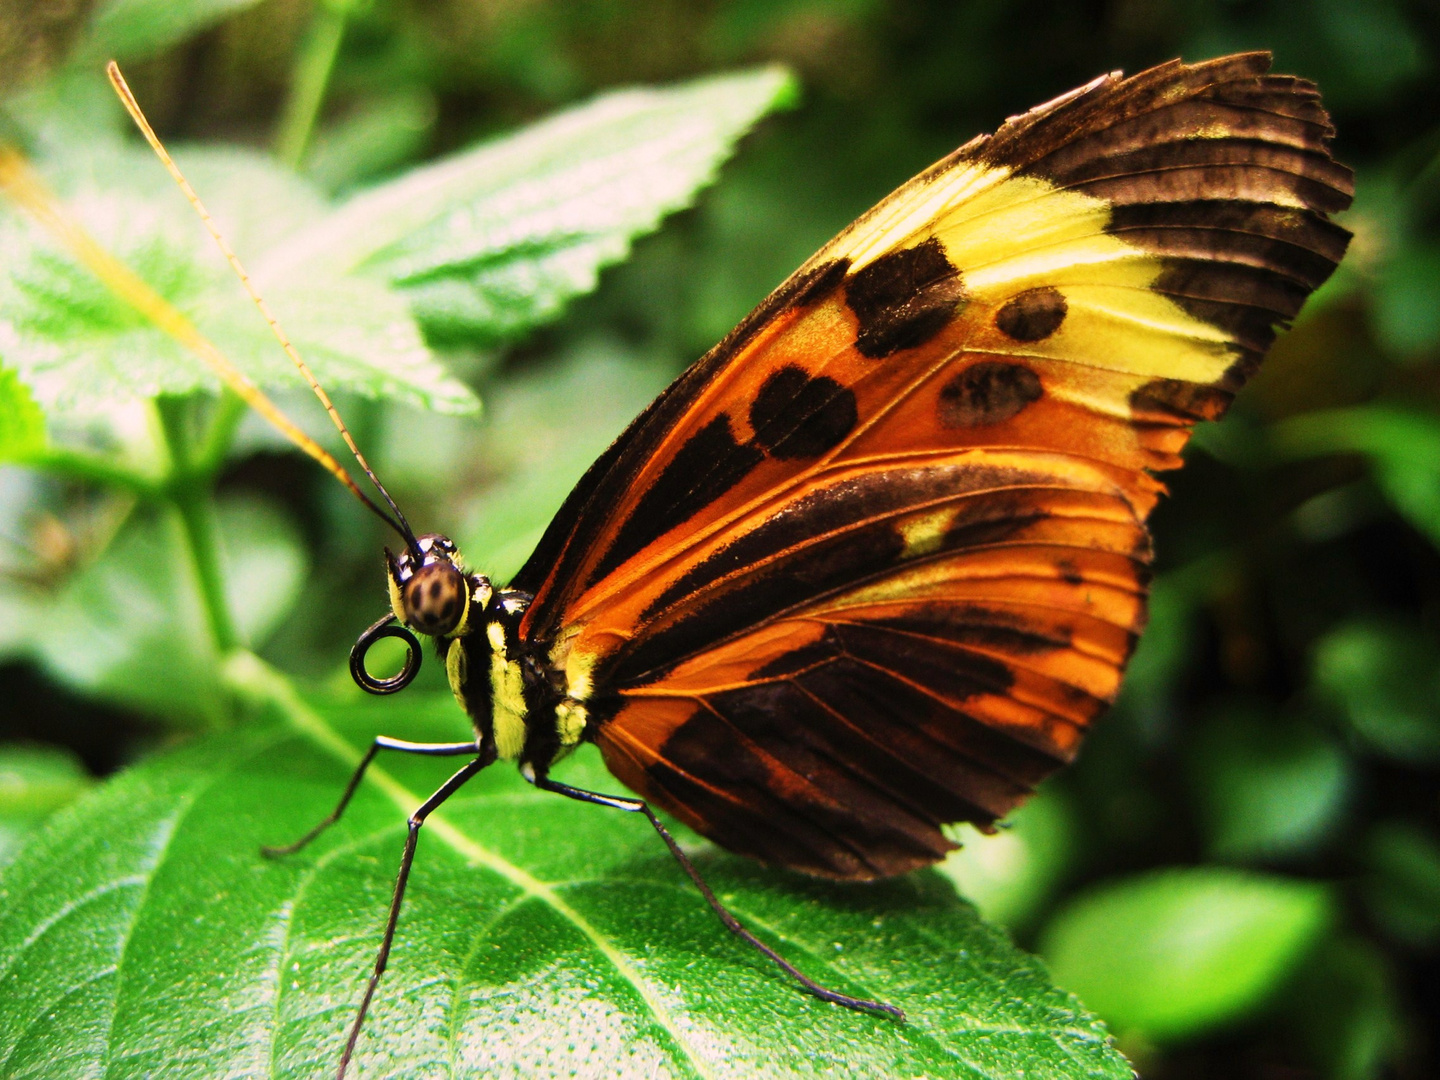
[416,820]
[639,806]
[382,742]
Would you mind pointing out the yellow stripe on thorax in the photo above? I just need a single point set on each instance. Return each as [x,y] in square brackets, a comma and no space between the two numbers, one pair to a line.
[455,670]
[397,602]
[507,690]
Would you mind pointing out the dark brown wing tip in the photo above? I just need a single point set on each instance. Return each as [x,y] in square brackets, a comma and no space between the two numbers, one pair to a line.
[1220,168]
[1241,80]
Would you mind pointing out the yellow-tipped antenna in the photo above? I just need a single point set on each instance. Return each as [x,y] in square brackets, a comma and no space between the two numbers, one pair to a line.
[232,376]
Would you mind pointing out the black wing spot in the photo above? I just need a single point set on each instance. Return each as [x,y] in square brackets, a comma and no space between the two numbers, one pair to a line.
[1032,315]
[825,410]
[904,299]
[988,393]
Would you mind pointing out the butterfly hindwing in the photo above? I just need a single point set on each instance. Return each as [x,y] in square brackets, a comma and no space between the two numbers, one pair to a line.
[875,562]
[939,688]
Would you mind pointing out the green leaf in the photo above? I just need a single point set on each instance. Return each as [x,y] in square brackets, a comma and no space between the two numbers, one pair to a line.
[35,781]
[1267,787]
[1405,314]
[142,932]
[1371,53]
[1174,954]
[1403,884]
[263,555]
[1344,1007]
[1402,445]
[484,245]
[82,351]
[22,424]
[1385,679]
[494,241]
[136,29]
[129,628]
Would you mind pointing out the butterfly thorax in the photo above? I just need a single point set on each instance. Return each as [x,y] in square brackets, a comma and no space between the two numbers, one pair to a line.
[517,700]
[508,690]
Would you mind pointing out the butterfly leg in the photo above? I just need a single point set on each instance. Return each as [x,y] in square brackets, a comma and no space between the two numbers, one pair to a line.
[397,897]
[381,742]
[639,806]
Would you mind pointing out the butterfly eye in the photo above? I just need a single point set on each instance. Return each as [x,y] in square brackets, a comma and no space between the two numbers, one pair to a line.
[435,598]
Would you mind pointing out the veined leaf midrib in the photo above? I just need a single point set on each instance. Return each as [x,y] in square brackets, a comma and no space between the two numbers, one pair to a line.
[498,258]
[83,984]
[458,1002]
[310,725]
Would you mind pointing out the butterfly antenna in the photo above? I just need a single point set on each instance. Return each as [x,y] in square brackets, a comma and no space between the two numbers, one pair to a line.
[398,522]
[20,184]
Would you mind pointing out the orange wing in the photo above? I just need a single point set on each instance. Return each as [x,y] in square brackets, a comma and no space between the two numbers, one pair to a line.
[876,561]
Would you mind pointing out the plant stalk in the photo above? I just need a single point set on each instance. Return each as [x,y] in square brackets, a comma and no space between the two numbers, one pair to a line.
[311,77]
[229,411]
[191,489]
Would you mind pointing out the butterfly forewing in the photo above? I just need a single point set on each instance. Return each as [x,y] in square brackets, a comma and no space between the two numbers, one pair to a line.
[876,561]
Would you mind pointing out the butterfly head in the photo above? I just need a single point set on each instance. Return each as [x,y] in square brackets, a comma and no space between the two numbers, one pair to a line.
[429,591]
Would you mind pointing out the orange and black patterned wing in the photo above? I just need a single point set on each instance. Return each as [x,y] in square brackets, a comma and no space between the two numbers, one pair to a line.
[875,562]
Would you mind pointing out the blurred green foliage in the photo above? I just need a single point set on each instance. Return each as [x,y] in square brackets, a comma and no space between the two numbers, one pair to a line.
[1242,874]
[1171,953]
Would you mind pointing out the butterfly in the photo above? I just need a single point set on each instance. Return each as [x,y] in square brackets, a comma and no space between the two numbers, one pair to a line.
[876,562]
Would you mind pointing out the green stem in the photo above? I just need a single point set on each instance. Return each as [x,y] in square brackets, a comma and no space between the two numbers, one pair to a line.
[198,518]
[192,491]
[307,89]
[229,411]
